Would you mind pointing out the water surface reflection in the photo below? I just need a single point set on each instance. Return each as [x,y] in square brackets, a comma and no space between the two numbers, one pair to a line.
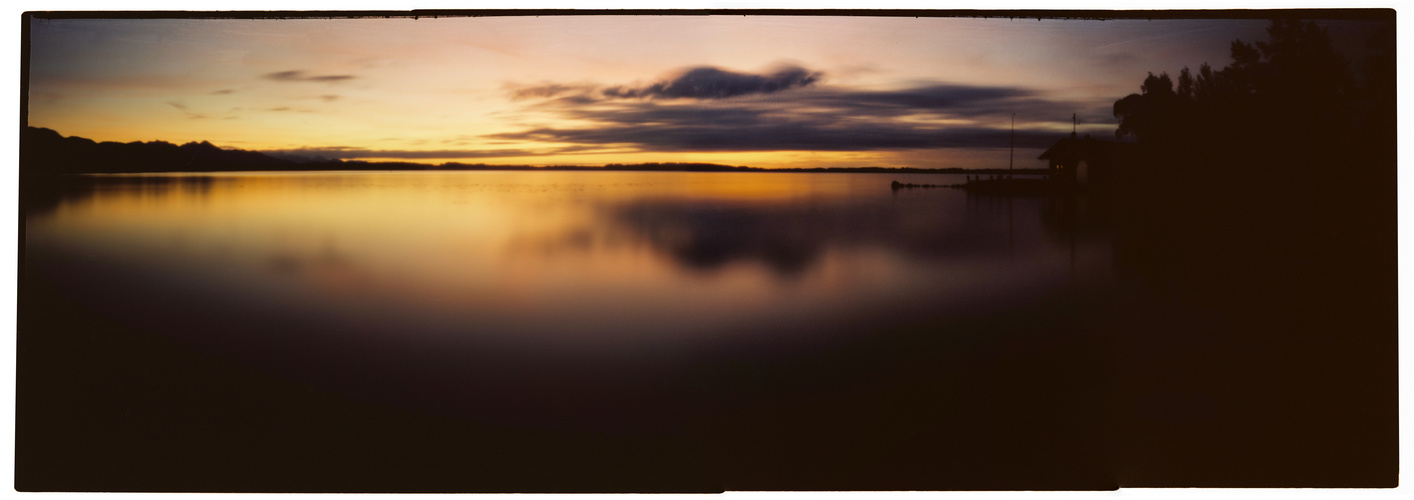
[544,253]
[714,308]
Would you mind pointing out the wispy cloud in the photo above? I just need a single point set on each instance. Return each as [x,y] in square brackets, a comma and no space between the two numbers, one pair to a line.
[182,106]
[707,82]
[301,76]
[698,82]
[546,90]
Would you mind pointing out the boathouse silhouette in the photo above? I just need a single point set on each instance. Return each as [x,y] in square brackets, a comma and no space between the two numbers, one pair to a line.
[1087,162]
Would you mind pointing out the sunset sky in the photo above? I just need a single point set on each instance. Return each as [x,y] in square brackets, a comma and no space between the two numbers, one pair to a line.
[760,91]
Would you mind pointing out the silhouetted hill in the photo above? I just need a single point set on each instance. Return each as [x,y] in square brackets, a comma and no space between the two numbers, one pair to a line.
[205,149]
[45,151]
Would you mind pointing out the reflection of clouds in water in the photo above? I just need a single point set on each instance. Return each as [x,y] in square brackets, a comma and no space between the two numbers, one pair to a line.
[706,238]
[285,263]
[327,268]
[577,239]
[327,258]
[790,239]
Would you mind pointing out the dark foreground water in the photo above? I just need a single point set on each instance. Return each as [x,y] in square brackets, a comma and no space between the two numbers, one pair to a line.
[615,331]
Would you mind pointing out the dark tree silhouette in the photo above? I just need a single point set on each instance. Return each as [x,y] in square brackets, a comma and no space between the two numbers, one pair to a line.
[1287,119]
[1266,192]
[1288,152]
[1287,104]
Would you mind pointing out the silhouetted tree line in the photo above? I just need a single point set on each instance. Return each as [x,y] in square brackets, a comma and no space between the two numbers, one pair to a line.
[44,151]
[1289,103]
[1266,197]
[1288,151]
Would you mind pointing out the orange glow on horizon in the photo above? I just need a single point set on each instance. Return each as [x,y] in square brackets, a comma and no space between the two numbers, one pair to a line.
[581,90]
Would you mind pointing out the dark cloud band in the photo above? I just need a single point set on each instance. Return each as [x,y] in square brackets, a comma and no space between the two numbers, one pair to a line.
[785,137]
[813,119]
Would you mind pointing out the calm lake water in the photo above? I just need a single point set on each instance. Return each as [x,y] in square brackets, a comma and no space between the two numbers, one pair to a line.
[605,302]
[598,263]
[584,331]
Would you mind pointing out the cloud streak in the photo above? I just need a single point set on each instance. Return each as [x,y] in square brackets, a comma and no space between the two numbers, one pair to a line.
[548,90]
[301,76]
[786,137]
[181,106]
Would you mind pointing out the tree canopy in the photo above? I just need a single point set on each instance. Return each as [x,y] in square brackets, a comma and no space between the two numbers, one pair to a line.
[1289,101]
[1288,150]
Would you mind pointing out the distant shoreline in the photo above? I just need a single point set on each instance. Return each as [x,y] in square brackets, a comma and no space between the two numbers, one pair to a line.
[46,152]
[377,167]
